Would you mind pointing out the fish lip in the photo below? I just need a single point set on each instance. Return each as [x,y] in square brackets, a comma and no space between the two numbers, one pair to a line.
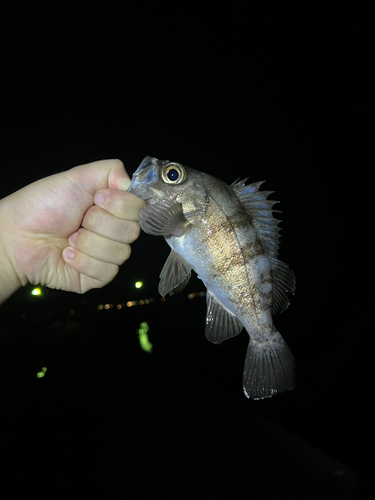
[144,167]
[141,172]
[147,160]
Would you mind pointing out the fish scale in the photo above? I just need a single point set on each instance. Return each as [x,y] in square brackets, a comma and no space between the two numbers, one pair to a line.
[229,237]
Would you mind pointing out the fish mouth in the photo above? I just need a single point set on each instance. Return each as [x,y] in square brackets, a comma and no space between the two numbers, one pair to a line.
[146,164]
[143,177]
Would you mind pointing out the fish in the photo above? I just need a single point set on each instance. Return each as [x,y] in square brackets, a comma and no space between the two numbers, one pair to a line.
[228,236]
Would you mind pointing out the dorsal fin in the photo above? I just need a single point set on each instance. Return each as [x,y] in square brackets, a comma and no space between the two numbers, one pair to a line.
[261,212]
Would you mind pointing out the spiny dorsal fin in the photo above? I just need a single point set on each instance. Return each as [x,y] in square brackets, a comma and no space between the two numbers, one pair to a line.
[261,211]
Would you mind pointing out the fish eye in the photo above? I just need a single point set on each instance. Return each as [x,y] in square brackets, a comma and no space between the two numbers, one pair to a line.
[173,173]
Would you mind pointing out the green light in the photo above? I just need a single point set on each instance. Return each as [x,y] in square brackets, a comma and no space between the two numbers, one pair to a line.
[143,337]
[36,291]
[138,284]
[42,372]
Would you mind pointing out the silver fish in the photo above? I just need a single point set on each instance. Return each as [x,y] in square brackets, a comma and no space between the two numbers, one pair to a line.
[229,237]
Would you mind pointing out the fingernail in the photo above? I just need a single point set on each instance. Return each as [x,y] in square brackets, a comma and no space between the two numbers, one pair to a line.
[70,253]
[73,237]
[99,198]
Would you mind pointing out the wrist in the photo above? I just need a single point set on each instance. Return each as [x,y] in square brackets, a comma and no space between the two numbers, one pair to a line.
[9,279]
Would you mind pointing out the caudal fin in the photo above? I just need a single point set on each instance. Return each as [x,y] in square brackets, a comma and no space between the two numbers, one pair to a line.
[269,368]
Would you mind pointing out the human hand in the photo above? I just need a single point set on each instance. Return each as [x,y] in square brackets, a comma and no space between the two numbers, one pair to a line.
[69,231]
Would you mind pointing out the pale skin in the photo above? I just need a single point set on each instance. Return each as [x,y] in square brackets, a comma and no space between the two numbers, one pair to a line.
[70,231]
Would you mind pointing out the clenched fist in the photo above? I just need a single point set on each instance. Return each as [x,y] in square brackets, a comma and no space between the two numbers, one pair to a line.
[69,231]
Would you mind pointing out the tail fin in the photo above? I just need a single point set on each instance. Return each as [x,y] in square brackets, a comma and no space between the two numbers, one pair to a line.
[269,368]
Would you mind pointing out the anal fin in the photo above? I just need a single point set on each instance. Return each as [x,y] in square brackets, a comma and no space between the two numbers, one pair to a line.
[220,323]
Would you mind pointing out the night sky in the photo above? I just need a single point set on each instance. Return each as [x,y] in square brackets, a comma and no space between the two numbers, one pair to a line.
[233,106]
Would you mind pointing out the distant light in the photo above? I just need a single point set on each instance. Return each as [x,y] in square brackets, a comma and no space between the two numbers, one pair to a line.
[42,372]
[196,294]
[119,306]
[143,337]
[100,307]
[36,291]
[138,284]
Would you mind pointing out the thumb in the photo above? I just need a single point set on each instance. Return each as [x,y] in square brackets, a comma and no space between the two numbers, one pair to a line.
[101,175]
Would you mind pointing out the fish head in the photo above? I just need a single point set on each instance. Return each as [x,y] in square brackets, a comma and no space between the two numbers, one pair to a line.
[160,180]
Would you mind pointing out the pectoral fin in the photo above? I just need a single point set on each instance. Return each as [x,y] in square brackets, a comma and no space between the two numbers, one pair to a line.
[175,274]
[164,219]
[220,323]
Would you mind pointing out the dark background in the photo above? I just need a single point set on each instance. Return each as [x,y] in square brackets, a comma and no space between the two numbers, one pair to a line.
[290,107]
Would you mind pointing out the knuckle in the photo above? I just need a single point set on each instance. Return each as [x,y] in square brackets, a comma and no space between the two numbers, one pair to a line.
[114,271]
[92,218]
[81,242]
[124,253]
[118,205]
[132,231]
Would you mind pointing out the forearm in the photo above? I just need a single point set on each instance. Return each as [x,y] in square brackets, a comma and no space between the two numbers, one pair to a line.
[9,280]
